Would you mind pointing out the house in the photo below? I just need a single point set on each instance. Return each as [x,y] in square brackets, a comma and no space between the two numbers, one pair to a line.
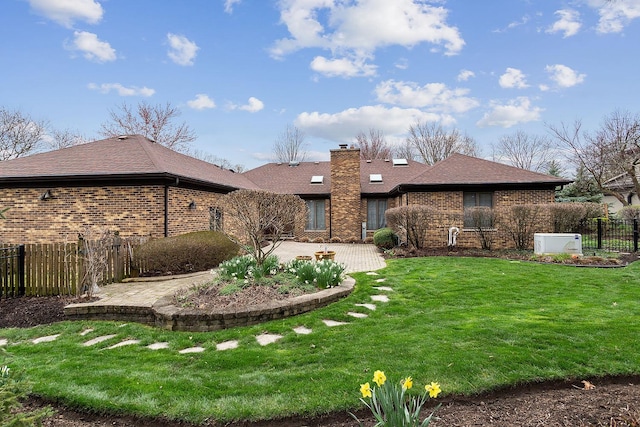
[140,188]
[622,184]
[128,184]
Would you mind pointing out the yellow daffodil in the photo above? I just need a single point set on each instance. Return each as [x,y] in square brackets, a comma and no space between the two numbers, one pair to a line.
[379,378]
[365,389]
[433,389]
[407,383]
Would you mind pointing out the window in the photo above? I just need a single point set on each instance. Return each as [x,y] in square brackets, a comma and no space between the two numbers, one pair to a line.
[375,213]
[315,215]
[215,219]
[476,199]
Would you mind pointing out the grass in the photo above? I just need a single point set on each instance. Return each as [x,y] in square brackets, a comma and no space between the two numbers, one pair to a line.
[471,324]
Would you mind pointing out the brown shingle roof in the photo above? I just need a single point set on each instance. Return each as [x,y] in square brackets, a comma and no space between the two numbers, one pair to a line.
[282,178]
[392,176]
[119,157]
[459,169]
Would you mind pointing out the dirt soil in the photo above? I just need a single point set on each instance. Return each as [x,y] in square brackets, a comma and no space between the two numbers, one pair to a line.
[612,402]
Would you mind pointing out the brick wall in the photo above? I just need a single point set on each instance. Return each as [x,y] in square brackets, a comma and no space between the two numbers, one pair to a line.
[345,194]
[131,210]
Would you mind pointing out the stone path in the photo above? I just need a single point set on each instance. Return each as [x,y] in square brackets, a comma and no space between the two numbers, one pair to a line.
[111,343]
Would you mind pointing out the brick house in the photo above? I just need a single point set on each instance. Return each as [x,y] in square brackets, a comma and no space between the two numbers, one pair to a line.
[143,189]
[128,184]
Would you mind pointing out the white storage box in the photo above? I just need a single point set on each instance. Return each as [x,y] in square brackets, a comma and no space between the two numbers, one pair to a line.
[557,243]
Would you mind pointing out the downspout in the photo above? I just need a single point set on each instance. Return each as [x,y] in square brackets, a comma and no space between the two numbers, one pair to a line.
[330,219]
[166,210]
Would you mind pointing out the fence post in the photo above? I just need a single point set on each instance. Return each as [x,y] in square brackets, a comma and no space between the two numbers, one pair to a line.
[635,235]
[22,290]
[599,233]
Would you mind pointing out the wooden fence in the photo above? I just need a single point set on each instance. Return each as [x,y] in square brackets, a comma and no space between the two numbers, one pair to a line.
[56,269]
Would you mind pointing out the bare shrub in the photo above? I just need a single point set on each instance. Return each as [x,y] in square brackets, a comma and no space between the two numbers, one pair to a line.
[519,223]
[262,216]
[569,217]
[482,220]
[94,245]
[335,240]
[412,222]
[630,212]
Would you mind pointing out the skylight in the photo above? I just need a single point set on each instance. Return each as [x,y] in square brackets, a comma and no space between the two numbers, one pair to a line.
[317,179]
[375,177]
[400,162]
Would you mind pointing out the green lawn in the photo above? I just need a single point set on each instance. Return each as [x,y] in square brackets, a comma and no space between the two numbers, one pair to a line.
[472,324]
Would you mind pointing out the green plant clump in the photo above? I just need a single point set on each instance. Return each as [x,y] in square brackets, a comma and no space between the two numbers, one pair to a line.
[384,238]
[12,390]
[186,253]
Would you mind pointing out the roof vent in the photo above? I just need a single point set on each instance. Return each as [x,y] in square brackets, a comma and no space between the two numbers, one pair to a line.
[122,137]
[343,146]
[293,163]
[368,160]
[386,160]
[317,179]
[400,162]
[375,177]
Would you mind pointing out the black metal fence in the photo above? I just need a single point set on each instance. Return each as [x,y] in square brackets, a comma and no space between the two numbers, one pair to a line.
[620,235]
[12,283]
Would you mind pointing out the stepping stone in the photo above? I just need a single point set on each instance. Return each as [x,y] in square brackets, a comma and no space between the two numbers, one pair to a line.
[380,298]
[158,345]
[372,273]
[383,288]
[266,339]
[123,325]
[332,323]
[371,307]
[124,343]
[3,342]
[86,331]
[192,350]
[46,339]
[301,330]
[381,280]
[357,315]
[227,345]
[98,340]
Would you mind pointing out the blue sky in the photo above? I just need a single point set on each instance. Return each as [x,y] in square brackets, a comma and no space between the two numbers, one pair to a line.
[240,71]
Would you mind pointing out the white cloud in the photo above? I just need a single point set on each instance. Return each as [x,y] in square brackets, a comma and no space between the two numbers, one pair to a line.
[513,24]
[568,23]
[465,75]
[513,78]
[253,105]
[342,67]
[92,48]
[228,5]
[432,96]
[402,63]
[121,90]
[65,12]
[516,111]
[202,102]
[354,30]
[345,125]
[615,15]
[182,51]
[564,76]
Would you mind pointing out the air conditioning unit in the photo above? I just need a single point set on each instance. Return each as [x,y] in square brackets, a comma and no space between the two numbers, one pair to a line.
[557,243]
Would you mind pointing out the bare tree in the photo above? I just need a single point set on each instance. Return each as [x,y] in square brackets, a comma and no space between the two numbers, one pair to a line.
[260,216]
[405,151]
[531,152]
[611,151]
[20,135]
[373,146]
[215,160]
[289,146]
[433,143]
[156,122]
[64,138]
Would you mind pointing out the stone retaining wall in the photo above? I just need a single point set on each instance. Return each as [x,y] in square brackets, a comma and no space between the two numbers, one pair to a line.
[165,315]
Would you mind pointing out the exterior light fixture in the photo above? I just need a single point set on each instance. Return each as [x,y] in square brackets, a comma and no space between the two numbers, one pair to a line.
[192,205]
[46,195]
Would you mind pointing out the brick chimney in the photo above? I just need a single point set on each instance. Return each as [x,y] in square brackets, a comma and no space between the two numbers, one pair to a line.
[345,193]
